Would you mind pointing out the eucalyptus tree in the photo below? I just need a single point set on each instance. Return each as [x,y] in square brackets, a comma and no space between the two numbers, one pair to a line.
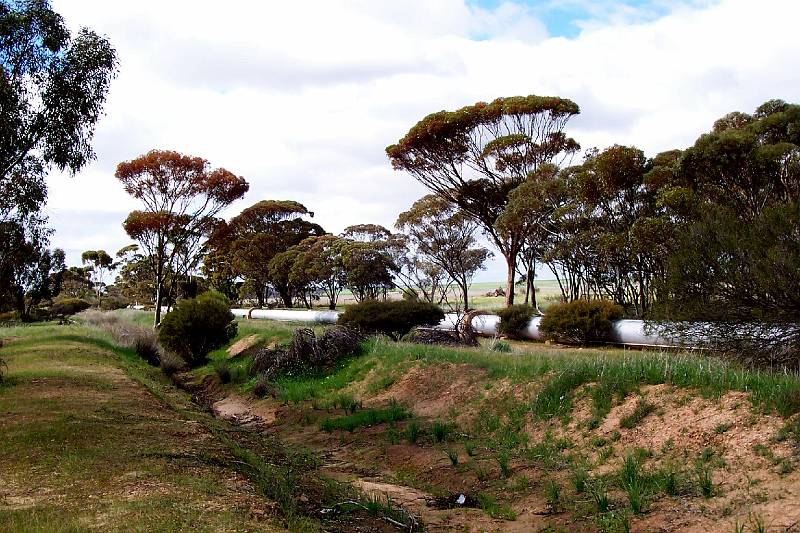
[255,236]
[52,89]
[182,195]
[444,237]
[475,156]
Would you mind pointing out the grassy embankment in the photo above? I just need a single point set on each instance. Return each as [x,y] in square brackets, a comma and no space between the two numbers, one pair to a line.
[578,430]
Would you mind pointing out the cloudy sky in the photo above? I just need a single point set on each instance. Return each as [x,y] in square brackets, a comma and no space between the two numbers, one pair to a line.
[302,97]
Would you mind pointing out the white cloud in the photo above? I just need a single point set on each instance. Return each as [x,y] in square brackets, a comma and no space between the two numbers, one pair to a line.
[301,98]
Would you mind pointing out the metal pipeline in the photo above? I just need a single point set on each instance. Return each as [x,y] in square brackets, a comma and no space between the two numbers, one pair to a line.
[629,332]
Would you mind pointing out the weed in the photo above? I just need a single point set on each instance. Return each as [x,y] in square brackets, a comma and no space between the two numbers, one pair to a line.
[223,370]
[494,509]
[497,345]
[642,409]
[552,492]
[469,448]
[705,480]
[367,417]
[392,435]
[599,494]
[503,458]
[613,522]
[413,432]
[579,479]
[347,402]
[634,484]
[756,522]
[452,454]
[441,431]
[722,427]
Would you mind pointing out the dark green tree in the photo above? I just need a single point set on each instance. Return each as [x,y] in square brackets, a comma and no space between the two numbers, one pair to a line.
[52,89]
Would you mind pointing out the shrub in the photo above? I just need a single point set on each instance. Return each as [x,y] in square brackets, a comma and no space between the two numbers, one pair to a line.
[305,352]
[69,306]
[499,346]
[223,370]
[579,321]
[514,319]
[3,366]
[171,364]
[112,303]
[393,318]
[146,347]
[196,327]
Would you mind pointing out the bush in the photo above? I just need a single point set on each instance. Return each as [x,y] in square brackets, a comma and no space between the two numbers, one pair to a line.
[514,319]
[69,306]
[393,318]
[223,370]
[196,327]
[579,321]
[171,364]
[112,303]
[146,347]
[305,352]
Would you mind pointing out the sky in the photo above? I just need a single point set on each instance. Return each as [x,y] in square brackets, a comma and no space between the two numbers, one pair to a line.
[301,98]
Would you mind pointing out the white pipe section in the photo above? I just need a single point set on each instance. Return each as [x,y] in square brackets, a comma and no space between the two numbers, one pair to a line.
[631,332]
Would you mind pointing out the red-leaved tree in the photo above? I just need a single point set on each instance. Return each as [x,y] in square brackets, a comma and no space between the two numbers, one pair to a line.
[181,196]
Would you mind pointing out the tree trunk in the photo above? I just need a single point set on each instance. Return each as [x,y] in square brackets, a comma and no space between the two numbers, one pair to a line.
[287,298]
[511,262]
[465,295]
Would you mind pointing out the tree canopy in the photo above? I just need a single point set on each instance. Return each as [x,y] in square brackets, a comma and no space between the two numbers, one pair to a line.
[475,156]
[181,195]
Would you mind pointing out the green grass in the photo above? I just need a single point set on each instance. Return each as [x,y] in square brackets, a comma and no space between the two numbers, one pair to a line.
[97,450]
[639,413]
[366,418]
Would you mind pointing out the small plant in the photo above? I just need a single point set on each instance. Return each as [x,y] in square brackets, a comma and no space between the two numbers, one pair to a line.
[441,431]
[452,454]
[704,480]
[721,428]
[223,370]
[497,345]
[171,364]
[552,492]
[145,345]
[642,409]
[756,522]
[514,319]
[494,509]
[413,432]
[469,448]
[503,458]
[262,387]
[579,321]
[579,479]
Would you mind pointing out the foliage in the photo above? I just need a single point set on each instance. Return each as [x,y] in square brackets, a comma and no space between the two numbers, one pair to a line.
[734,265]
[146,347]
[368,257]
[29,272]
[68,306]
[196,327]
[366,418]
[100,264]
[514,319]
[305,353]
[52,90]
[111,303]
[579,321]
[253,238]
[442,239]
[181,195]
[475,156]
[392,318]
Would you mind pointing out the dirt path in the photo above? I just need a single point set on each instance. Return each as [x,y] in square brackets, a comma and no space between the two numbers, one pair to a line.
[85,447]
